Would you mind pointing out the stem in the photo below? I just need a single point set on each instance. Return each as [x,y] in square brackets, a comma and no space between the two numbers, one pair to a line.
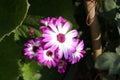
[94,27]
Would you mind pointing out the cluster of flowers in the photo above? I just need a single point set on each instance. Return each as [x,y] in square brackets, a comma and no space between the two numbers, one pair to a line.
[56,46]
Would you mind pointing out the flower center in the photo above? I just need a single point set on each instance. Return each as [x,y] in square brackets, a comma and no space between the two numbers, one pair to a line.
[49,53]
[61,37]
[35,48]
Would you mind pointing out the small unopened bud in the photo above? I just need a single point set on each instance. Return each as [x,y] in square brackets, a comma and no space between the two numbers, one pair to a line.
[31,31]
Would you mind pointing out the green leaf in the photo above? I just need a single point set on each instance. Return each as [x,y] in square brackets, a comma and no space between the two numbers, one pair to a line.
[115,67]
[34,71]
[109,5]
[118,50]
[104,61]
[9,56]
[30,71]
[108,10]
[30,22]
[118,26]
[54,8]
[23,32]
[12,14]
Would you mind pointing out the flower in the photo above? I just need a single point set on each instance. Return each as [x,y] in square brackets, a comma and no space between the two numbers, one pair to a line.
[59,36]
[61,66]
[78,54]
[45,21]
[57,45]
[32,47]
[47,57]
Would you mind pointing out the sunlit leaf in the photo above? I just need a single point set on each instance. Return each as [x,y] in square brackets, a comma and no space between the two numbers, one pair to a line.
[33,71]
[109,5]
[30,71]
[104,61]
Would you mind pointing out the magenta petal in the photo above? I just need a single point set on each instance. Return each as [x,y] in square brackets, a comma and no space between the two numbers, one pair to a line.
[42,21]
[58,22]
[48,31]
[60,54]
[45,35]
[53,48]
[45,21]
[31,42]
[26,44]
[40,58]
[42,28]
[46,39]
[49,64]
[53,63]
[66,27]
[53,20]
[66,55]
[61,19]
[30,57]
[53,27]
[45,63]
[73,33]
[48,44]
[71,50]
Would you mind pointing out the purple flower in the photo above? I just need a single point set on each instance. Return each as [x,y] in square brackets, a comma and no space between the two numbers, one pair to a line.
[59,36]
[58,42]
[61,66]
[45,21]
[48,57]
[61,20]
[32,48]
[53,20]
[78,54]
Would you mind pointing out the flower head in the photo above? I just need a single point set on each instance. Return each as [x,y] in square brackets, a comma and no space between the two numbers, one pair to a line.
[47,57]
[61,66]
[78,54]
[59,36]
[32,47]
[57,45]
